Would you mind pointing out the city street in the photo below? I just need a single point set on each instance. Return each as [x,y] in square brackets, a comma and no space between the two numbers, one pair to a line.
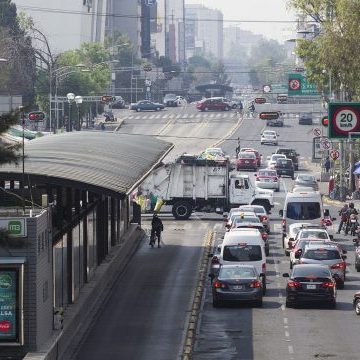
[148,320]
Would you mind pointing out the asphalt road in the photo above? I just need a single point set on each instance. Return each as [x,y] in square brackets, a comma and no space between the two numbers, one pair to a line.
[146,313]
[276,332]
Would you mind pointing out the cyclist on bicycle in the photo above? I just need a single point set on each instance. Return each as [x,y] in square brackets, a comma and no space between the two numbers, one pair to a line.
[156,228]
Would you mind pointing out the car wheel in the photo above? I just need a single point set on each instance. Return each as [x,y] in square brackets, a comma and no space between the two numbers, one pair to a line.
[357,307]
[158,109]
[206,109]
[182,210]
[138,109]
[291,265]
[357,268]
[288,304]
[264,285]
[332,304]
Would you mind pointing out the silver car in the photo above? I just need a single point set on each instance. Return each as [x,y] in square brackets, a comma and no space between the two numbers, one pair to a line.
[261,213]
[267,179]
[306,180]
[329,255]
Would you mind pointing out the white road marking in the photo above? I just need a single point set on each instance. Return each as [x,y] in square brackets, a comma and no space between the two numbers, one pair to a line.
[277,227]
[211,115]
[138,118]
[151,116]
[286,320]
[291,349]
[157,116]
[283,307]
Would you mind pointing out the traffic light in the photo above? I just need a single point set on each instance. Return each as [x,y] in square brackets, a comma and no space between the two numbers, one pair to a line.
[272,115]
[107,99]
[325,121]
[36,116]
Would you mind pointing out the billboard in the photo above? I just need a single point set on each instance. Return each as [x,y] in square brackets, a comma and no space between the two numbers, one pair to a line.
[11,304]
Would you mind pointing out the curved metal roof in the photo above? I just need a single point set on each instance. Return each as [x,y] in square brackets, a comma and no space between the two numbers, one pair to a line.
[96,161]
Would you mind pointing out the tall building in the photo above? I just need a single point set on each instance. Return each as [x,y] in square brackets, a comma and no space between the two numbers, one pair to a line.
[168,37]
[204,31]
[126,20]
[67,23]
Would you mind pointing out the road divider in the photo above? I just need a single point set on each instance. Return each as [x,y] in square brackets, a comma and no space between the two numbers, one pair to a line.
[196,303]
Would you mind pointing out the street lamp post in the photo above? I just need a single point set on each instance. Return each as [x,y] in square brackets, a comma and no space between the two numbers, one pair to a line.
[79,100]
[71,98]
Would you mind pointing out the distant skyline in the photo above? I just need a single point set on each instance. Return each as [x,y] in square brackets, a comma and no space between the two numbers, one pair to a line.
[257,11]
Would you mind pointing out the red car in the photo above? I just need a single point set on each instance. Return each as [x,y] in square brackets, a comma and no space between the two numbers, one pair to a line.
[213,104]
[246,161]
[257,154]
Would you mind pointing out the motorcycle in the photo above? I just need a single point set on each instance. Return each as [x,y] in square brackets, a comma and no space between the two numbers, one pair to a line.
[353,224]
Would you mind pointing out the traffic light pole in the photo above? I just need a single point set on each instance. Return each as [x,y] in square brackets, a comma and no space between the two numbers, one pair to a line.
[23,160]
[342,197]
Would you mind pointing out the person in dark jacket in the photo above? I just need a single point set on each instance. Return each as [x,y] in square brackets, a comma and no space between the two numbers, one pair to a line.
[156,228]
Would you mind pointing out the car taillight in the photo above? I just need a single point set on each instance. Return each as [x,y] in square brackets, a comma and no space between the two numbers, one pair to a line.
[255,284]
[264,235]
[275,179]
[263,267]
[215,260]
[294,284]
[341,266]
[219,285]
[264,218]
[283,222]
[328,284]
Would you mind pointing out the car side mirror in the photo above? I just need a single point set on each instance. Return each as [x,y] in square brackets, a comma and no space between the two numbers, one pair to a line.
[286,275]
[331,237]
[281,213]
[344,257]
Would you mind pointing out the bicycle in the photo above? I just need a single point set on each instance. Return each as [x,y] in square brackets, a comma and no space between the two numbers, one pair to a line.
[153,237]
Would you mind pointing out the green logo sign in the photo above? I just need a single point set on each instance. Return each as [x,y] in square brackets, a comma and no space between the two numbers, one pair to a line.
[15,227]
[5,281]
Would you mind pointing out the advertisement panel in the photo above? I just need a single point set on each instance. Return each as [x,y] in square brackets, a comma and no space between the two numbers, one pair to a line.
[15,226]
[9,305]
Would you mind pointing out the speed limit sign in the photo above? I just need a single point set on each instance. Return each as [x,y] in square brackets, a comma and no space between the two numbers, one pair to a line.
[344,119]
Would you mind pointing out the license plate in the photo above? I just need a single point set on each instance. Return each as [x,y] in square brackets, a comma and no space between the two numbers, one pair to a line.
[311,287]
[237,287]
[267,180]
[246,162]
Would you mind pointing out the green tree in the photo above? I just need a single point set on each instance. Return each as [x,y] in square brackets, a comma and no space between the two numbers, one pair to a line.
[8,153]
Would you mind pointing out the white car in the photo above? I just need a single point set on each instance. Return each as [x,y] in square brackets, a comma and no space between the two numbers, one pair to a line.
[290,236]
[267,179]
[273,158]
[269,137]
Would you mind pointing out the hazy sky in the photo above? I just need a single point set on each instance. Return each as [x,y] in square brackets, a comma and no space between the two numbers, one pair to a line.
[258,10]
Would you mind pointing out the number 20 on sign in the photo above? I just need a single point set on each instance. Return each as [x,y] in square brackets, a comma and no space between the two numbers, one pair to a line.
[344,120]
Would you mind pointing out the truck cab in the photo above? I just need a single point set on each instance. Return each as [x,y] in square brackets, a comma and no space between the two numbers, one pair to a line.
[243,191]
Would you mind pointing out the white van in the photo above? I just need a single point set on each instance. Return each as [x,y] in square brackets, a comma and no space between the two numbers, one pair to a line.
[302,207]
[243,246]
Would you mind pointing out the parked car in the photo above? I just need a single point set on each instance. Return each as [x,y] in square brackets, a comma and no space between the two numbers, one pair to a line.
[310,283]
[119,103]
[305,119]
[237,283]
[146,105]
[269,137]
[170,100]
[267,179]
[215,103]
[306,180]
[329,255]
[247,161]
[285,167]
[290,154]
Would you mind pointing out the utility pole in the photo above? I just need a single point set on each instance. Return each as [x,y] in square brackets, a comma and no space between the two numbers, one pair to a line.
[341,170]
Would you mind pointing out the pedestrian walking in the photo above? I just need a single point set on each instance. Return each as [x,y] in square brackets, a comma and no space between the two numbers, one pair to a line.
[327,164]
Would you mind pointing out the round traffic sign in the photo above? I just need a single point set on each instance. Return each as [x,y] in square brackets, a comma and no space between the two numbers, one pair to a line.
[294,84]
[334,154]
[346,120]
[317,132]
[267,88]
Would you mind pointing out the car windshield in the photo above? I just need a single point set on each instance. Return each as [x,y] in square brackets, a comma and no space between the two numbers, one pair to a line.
[313,233]
[283,161]
[236,272]
[322,254]
[269,133]
[311,271]
[303,210]
[276,157]
[267,173]
[305,178]
[242,253]
[255,209]
[241,219]
[247,155]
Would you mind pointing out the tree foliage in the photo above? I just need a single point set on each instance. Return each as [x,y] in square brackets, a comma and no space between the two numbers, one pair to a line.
[8,153]
[335,51]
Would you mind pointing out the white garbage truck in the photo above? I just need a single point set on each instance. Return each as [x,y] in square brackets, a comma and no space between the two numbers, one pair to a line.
[190,184]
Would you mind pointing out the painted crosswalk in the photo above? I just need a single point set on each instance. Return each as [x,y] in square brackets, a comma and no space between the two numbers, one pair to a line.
[182,116]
